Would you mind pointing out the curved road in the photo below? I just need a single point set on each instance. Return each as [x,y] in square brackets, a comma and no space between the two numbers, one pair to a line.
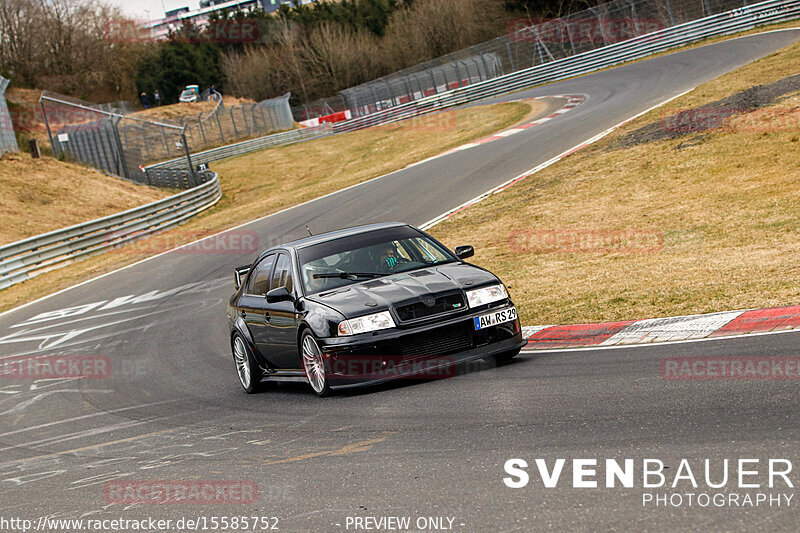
[171,407]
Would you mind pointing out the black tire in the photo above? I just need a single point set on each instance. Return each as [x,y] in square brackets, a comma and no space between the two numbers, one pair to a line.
[314,364]
[505,357]
[247,368]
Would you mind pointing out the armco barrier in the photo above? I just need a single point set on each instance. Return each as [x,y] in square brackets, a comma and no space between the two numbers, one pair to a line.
[737,20]
[728,22]
[21,260]
[25,259]
[277,139]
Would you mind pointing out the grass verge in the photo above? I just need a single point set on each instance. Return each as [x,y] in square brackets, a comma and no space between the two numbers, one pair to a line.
[260,183]
[41,195]
[694,224]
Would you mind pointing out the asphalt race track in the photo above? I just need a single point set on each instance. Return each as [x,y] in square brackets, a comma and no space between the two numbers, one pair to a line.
[172,409]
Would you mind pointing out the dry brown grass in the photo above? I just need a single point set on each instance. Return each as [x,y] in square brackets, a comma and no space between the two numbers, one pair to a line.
[256,184]
[267,181]
[711,40]
[41,195]
[185,109]
[725,205]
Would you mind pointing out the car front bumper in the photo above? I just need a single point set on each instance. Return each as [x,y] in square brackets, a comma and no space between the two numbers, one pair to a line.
[427,351]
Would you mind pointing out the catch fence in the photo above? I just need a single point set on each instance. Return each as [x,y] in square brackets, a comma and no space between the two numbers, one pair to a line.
[126,144]
[8,141]
[529,43]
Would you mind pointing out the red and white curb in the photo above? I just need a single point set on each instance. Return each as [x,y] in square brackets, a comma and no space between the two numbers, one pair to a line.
[573,101]
[657,330]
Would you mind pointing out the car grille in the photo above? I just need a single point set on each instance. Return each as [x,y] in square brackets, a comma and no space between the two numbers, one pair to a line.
[438,341]
[442,304]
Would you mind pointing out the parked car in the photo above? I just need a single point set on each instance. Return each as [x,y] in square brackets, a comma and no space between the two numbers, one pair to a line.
[364,305]
[190,94]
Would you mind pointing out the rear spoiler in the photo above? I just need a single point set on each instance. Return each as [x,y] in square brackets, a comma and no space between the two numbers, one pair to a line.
[239,274]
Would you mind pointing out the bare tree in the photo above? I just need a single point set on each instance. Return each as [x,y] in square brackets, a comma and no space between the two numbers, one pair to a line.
[64,45]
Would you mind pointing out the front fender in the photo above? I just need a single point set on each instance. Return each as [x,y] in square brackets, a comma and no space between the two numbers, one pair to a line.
[322,320]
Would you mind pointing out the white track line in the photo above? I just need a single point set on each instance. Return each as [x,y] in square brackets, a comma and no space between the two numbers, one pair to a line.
[649,344]
[542,166]
[300,205]
[90,280]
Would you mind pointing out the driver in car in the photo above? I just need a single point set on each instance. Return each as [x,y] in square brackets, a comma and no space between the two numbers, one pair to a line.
[389,258]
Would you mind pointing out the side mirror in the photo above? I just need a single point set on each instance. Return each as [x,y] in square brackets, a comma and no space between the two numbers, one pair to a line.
[281,294]
[463,252]
[239,274]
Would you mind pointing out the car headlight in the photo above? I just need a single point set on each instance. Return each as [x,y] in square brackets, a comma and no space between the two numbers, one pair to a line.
[486,295]
[364,324]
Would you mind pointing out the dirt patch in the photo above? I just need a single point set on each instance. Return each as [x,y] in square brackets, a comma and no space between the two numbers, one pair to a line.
[711,116]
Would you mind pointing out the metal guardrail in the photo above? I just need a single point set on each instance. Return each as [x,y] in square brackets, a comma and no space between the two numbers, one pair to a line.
[252,145]
[174,178]
[25,259]
[737,20]
[636,48]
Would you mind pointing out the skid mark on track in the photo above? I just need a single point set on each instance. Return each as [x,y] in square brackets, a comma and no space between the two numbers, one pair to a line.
[355,447]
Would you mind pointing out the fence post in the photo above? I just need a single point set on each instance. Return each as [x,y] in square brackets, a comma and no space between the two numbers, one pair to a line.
[233,121]
[244,118]
[123,162]
[200,125]
[144,141]
[188,155]
[568,25]
[266,123]
[47,125]
[600,24]
[105,147]
[433,80]
[510,57]
[669,13]
[254,117]
[219,125]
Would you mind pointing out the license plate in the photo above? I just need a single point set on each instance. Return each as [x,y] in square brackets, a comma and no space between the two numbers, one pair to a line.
[498,317]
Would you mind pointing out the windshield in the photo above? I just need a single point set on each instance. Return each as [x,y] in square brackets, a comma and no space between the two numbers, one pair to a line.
[341,262]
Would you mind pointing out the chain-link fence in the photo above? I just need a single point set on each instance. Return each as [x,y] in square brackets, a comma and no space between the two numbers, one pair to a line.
[115,143]
[228,124]
[125,144]
[8,141]
[528,43]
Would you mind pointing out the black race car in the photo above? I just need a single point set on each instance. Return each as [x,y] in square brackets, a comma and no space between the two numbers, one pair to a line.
[365,305]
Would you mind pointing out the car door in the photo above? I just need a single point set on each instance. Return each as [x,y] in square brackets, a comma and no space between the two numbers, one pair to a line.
[253,306]
[283,317]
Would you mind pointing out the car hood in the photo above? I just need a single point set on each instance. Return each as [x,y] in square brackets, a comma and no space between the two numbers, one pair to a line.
[372,296]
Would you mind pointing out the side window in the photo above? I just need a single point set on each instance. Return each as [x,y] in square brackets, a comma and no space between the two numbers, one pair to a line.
[259,280]
[282,277]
